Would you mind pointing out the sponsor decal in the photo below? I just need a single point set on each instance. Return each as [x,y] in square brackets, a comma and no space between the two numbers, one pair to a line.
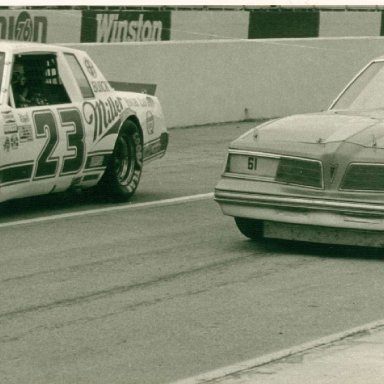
[96,161]
[7,144]
[14,142]
[137,102]
[24,118]
[125,26]
[11,142]
[150,123]
[90,67]
[24,27]
[9,122]
[10,128]
[103,115]
[8,116]
[25,133]
[132,102]
[152,149]
[150,102]
[100,86]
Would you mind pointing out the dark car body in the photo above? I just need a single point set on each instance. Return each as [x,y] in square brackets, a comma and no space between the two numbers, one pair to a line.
[313,177]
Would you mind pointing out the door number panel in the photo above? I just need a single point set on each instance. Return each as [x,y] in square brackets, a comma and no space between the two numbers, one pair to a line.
[47,127]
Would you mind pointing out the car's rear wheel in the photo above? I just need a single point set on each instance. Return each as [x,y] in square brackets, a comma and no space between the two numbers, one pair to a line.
[123,173]
[250,228]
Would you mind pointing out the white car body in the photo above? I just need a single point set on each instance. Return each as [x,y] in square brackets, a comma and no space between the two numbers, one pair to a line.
[69,141]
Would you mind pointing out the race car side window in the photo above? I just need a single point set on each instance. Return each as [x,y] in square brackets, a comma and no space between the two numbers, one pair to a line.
[81,79]
[35,80]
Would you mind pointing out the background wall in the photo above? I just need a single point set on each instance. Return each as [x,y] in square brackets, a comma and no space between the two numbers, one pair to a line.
[163,23]
[201,82]
[211,65]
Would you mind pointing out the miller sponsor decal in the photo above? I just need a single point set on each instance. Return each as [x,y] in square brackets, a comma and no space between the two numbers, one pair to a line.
[23,27]
[123,26]
[103,115]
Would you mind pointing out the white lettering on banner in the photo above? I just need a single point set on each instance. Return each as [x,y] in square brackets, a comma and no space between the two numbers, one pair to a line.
[111,29]
[24,27]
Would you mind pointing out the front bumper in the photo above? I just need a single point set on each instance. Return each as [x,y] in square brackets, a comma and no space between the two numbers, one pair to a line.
[302,210]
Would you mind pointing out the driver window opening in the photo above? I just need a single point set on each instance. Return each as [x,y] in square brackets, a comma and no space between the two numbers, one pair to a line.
[36,81]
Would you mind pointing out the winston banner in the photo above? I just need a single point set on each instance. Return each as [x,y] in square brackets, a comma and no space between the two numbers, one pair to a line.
[123,26]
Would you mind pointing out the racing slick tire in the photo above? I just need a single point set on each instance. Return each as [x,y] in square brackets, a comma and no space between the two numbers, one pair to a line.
[251,228]
[123,172]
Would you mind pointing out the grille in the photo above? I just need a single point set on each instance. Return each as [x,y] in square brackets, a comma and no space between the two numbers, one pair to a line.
[300,171]
[364,177]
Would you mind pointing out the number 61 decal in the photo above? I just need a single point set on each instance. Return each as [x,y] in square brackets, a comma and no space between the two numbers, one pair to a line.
[46,127]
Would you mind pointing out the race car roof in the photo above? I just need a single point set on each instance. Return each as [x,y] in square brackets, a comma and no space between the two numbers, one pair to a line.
[17,46]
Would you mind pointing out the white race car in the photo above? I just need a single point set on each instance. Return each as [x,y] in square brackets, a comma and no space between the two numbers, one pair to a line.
[63,126]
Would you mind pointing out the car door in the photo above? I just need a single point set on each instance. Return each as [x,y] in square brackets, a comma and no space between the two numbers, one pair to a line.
[44,136]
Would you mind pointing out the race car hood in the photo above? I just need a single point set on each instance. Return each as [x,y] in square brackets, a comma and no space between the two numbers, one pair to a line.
[311,131]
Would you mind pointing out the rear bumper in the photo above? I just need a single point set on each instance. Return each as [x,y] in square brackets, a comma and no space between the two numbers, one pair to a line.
[302,210]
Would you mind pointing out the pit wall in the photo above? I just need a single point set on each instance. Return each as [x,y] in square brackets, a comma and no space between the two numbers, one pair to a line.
[202,82]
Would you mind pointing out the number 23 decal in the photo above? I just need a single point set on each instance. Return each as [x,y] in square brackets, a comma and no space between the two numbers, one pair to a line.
[46,127]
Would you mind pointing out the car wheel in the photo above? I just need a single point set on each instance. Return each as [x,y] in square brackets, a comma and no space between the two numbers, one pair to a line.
[250,228]
[123,172]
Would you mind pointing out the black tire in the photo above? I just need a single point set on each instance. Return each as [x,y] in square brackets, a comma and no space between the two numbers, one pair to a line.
[250,228]
[123,172]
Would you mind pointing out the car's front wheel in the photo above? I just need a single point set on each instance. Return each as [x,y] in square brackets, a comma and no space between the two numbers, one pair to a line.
[123,173]
[250,228]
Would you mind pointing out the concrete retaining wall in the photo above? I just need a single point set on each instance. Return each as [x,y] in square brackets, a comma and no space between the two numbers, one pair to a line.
[200,82]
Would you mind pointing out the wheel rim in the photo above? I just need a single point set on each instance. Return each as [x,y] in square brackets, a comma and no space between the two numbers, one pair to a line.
[124,161]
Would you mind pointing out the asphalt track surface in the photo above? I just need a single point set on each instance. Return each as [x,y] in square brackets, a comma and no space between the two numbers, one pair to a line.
[165,287]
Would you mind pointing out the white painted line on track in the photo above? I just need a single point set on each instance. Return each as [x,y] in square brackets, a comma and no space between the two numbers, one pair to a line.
[149,204]
[222,374]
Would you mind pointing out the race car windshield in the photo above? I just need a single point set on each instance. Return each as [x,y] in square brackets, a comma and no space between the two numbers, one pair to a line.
[366,92]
